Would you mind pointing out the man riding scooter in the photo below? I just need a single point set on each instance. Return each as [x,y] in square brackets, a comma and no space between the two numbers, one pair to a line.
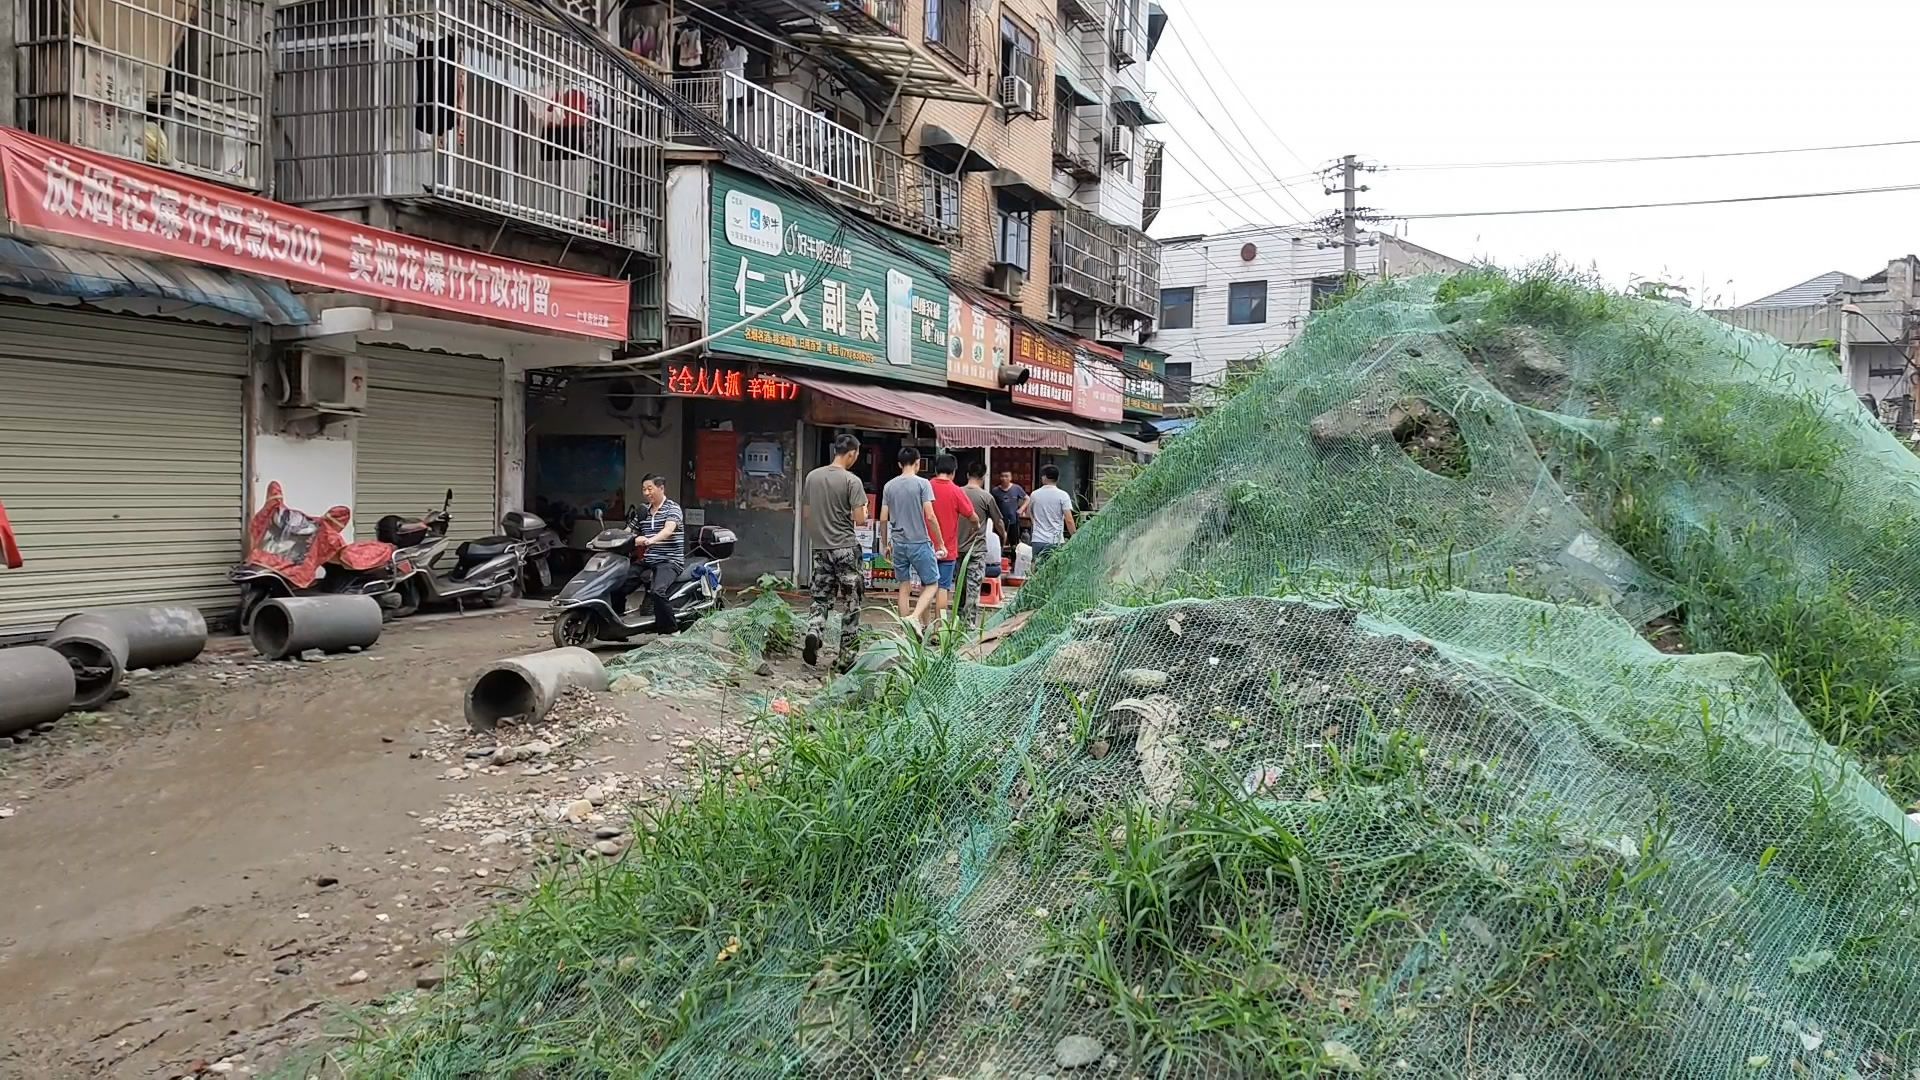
[660,552]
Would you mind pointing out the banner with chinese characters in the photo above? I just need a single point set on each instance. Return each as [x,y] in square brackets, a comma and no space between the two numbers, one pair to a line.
[1097,382]
[1050,384]
[832,298]
[978,341]
[725,383]
[76,192]
[1145,393]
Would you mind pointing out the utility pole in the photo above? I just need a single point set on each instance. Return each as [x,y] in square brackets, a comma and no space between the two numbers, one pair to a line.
[1350,215]
[1349,237]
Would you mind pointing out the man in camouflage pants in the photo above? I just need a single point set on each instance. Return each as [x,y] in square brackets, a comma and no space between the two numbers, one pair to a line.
[973,540]
[835,504]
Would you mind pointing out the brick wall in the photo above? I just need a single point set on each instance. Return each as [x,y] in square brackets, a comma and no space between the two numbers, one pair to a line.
[1022,144]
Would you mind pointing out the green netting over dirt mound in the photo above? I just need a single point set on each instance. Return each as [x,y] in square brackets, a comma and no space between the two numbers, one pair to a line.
[1534,437]
[1333,745]
[1410,833]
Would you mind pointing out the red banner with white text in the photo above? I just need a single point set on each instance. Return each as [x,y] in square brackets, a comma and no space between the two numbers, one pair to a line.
[65,189]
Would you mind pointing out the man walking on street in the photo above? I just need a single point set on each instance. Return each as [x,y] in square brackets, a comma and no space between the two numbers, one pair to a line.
[973,540]
[661,551]
[1012,499]
[835,504]
[1052,513]
[910,536]
[951,507]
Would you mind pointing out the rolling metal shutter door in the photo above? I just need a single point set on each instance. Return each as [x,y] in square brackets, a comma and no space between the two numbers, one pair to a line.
[432,423]
[122,462]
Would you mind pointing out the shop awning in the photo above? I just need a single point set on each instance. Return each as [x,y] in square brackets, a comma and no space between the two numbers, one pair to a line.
[1142,450]
[940,142]
[1080,92]
[955,423]
[51,271]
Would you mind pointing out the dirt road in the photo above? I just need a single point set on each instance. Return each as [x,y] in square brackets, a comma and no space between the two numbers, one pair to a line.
[194,880]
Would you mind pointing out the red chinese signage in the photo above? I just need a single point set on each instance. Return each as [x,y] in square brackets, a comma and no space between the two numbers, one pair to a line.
[1099,388]
[76,192]
[728,384]
[1050,384]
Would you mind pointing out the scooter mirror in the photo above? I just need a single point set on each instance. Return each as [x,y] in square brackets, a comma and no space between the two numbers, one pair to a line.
[599,515]
[449,503]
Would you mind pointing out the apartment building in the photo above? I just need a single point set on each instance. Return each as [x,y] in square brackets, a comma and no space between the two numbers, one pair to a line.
[371,250]
[1228,299]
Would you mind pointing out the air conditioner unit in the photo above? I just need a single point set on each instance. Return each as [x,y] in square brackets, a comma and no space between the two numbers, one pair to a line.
[1120,143]
[323,382]
[1016,94]
[1005,278]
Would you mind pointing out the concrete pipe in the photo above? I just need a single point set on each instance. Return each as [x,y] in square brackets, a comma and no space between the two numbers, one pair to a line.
[522,689]
[97,650]
[157,634]
[290,625]
[36,685]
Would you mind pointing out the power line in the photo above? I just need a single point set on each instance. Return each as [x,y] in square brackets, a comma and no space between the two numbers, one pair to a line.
[1258,113]
[1886,189]
[1181,90]
[1179,39]
[1219,184]
[1542,163]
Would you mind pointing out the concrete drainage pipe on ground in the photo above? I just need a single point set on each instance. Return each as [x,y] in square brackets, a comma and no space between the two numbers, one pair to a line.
[523,689]
[157,635]
[97,650]
[36,685]
[290,625]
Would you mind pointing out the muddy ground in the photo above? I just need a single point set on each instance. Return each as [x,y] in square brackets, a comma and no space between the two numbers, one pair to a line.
[197,880]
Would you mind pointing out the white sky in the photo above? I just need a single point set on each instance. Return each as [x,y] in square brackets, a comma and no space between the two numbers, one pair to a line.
[1425,81]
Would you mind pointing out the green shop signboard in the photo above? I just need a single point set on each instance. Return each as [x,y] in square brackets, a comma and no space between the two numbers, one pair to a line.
[856,308]
[1144,368]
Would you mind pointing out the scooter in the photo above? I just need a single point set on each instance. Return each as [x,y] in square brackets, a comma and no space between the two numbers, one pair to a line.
[486,570]
[546,554]
[291,553]
[583,612]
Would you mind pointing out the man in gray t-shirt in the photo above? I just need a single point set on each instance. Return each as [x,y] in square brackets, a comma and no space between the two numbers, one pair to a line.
[910,536]
[1052,512]
[835,503]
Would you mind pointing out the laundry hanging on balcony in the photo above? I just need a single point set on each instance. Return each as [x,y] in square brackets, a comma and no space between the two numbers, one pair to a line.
[566,120]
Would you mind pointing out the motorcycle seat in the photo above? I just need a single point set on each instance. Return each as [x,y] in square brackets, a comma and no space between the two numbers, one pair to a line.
[474,552]
[690,571]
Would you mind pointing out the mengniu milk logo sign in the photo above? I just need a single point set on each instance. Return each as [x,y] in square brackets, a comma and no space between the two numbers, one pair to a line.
[822,295]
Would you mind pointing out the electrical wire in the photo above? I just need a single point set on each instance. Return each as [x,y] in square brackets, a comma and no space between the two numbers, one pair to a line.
[1231,114]
[1544,163]
[1882,190]
[1218,184]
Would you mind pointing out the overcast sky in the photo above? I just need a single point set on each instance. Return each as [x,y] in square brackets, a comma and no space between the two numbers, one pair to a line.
[1406,82]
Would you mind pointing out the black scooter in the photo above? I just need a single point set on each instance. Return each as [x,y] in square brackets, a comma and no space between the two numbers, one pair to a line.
[583,612]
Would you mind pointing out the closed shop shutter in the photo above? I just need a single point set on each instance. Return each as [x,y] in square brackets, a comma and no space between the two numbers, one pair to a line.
[432,423]
[122,443]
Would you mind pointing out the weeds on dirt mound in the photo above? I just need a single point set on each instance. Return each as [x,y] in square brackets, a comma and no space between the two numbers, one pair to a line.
[1535,435]
[1397,833]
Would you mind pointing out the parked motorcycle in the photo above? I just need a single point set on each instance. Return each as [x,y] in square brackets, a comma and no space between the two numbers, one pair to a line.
[583,612]
[291,553]
[486,570]
[547,556]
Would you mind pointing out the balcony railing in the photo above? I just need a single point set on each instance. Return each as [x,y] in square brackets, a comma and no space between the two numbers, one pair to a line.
[1155,182]
[1136,272]
[883,15]
[177,83]
[475,103]
[1024,70]
[1083,256]
[898,190]
[1076,142]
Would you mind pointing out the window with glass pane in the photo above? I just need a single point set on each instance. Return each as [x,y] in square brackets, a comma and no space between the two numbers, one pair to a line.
[1246,303]
[1179,381]
[1176,308]
[1013,235]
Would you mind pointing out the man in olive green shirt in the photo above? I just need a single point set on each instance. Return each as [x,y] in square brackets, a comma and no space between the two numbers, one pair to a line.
[835,504]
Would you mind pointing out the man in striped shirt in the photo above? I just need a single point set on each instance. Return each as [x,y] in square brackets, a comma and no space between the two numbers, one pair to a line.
[661,551]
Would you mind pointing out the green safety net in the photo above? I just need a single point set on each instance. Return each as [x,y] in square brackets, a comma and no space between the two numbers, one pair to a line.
[1334,745]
